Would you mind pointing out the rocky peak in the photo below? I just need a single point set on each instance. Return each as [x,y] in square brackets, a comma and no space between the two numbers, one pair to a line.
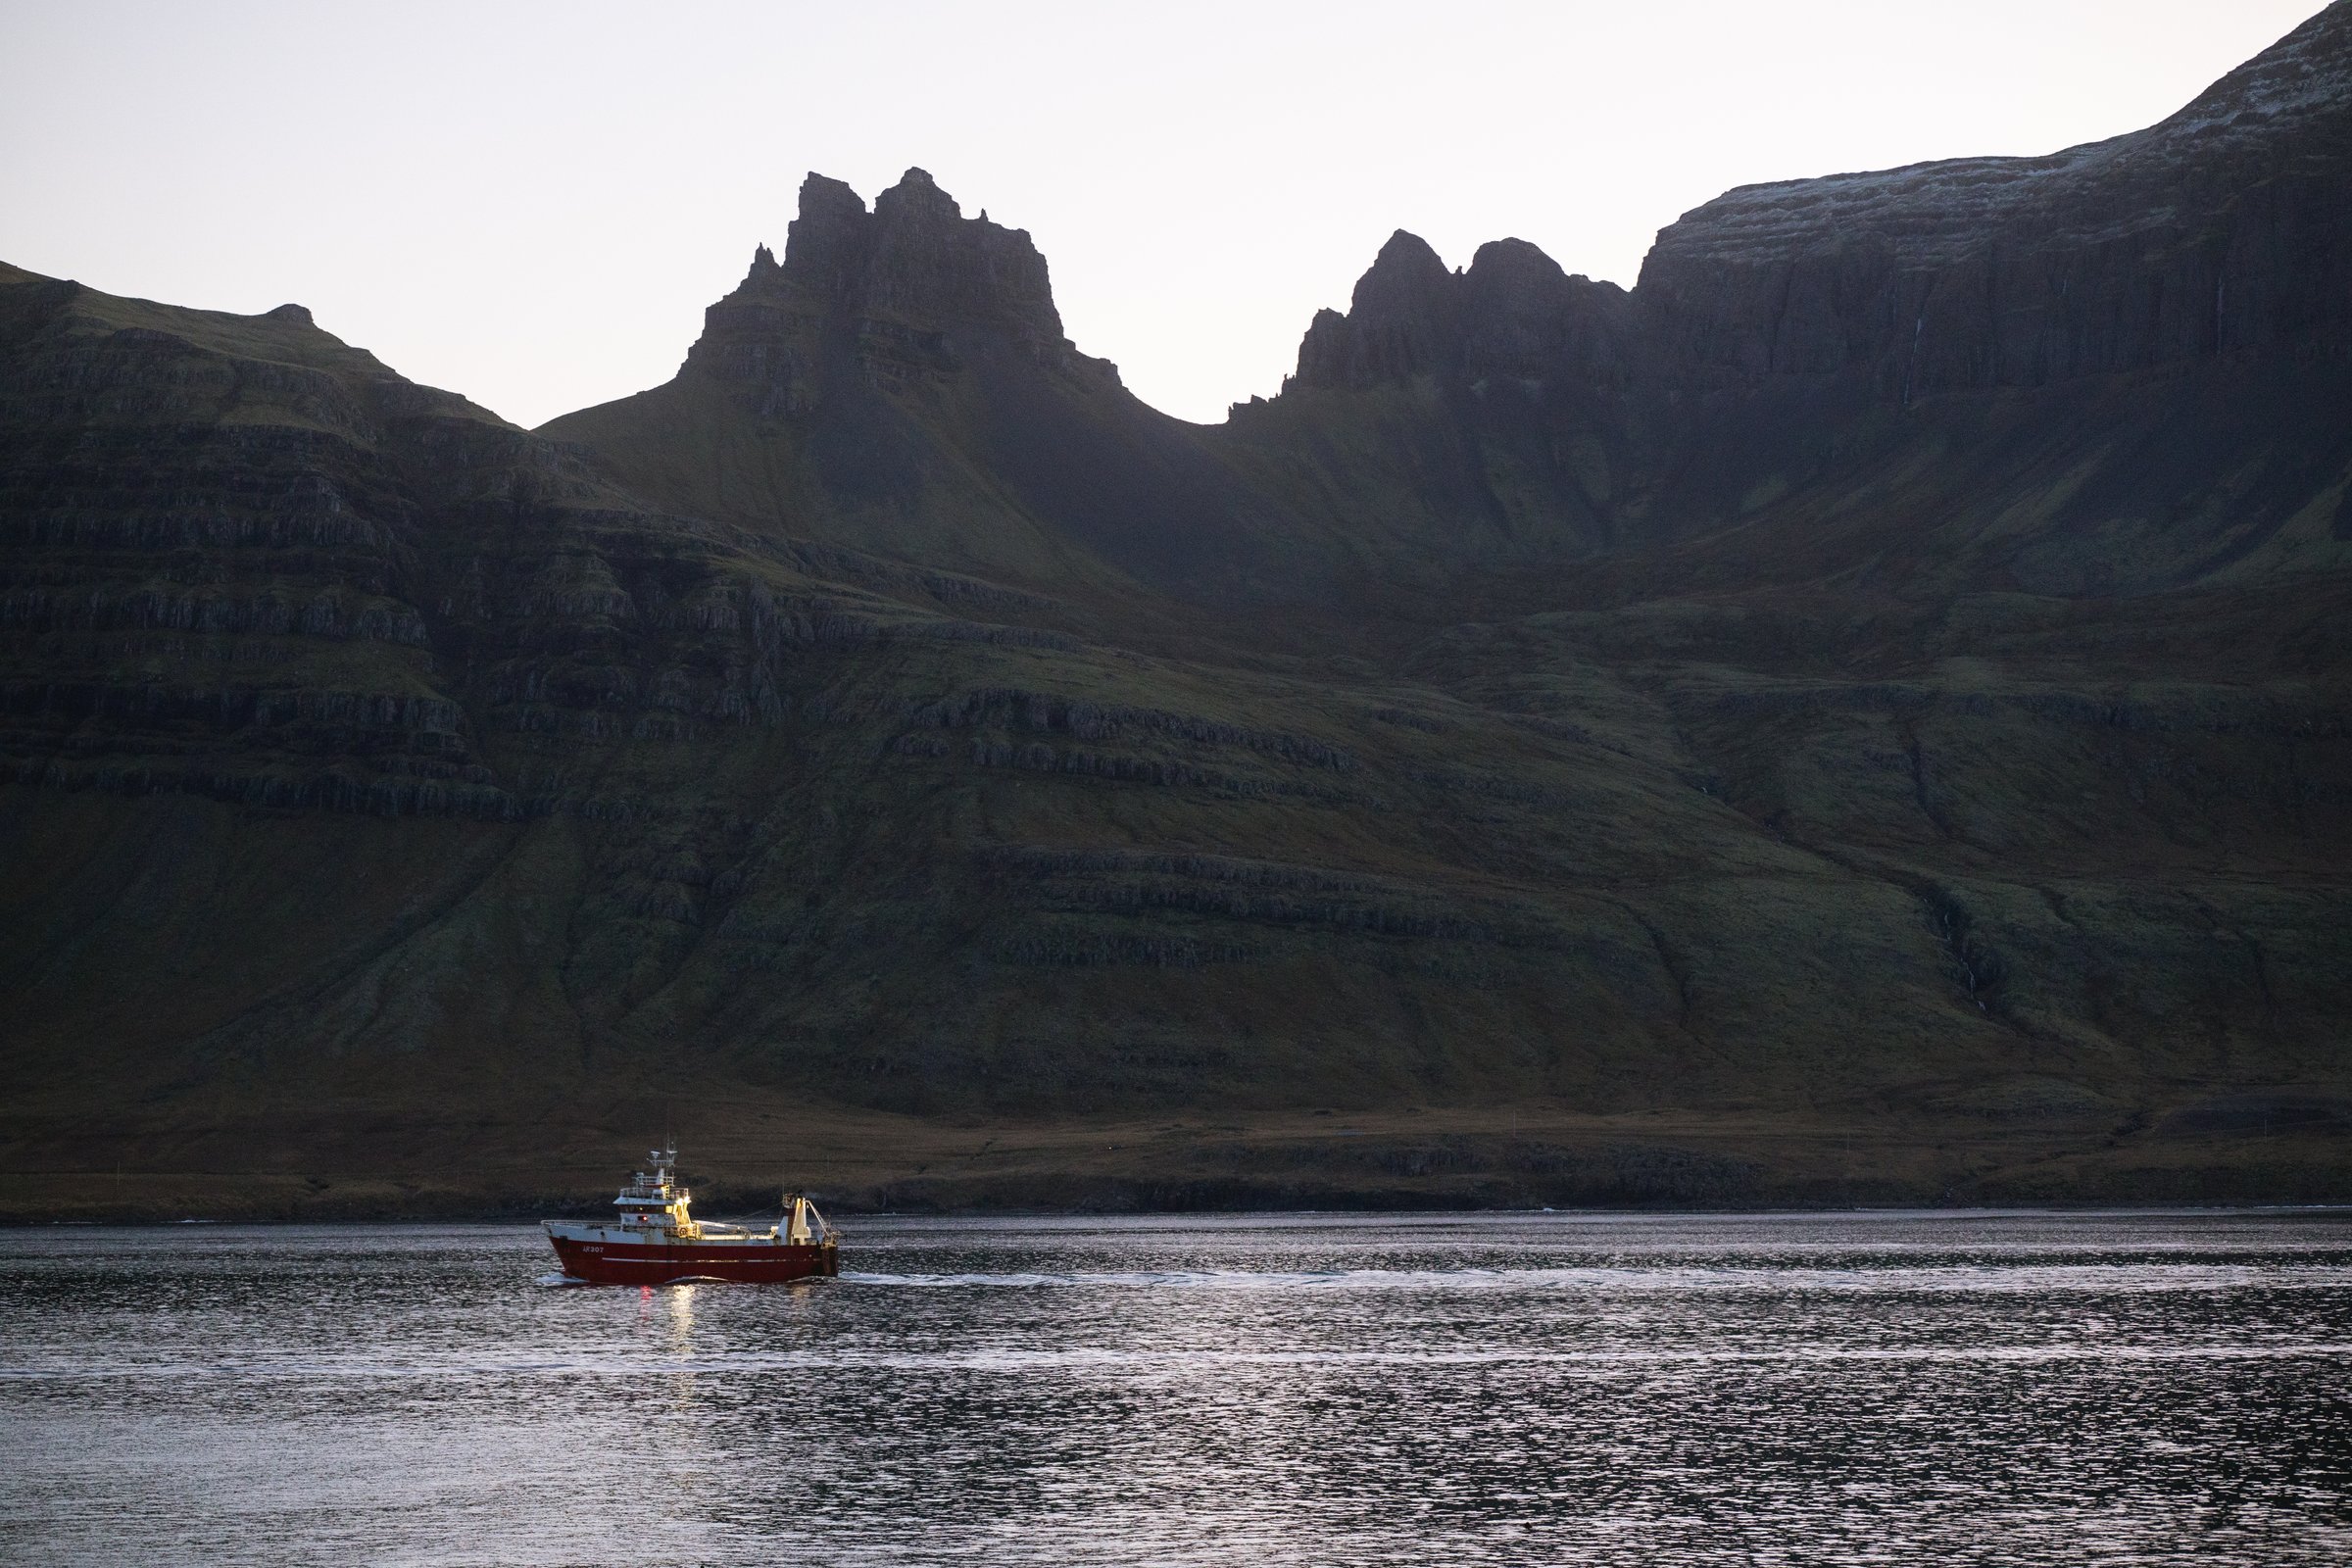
[826,243]
[1399,321]
[1514,312]
[933,267]
[1405,277]
[916,201]
[1524,318]
[913,281]
[1515,309]
[915,260]
[1513,271]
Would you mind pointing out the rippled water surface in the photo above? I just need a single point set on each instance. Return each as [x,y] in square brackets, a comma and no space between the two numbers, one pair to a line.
[1531,1389]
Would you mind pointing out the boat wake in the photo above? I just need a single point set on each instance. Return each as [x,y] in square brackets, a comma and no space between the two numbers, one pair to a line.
[1241,1280]
[1950,1278]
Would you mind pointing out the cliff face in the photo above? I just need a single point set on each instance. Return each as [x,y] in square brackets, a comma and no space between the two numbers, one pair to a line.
[1864,714]
[2124,360]
[209,533]
[2221,231]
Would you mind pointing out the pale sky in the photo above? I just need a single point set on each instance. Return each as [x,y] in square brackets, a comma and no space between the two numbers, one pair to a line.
[532,203]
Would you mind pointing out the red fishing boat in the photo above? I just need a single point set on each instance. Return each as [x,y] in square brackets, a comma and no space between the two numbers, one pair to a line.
[652,1240]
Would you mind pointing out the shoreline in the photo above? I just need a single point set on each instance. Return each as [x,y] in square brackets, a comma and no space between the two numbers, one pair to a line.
[387,1164]
[1338,1206]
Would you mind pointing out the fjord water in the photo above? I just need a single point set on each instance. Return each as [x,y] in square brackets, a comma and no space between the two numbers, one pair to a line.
[1955,1387]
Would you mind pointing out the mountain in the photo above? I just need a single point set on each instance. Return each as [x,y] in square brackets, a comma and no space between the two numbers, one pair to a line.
[2115,369]
[1860,716]
[900,382]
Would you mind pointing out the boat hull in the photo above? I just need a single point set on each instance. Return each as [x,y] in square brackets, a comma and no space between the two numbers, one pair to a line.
[660,1264]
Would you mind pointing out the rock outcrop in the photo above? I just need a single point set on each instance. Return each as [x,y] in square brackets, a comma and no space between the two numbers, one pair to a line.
[901,283]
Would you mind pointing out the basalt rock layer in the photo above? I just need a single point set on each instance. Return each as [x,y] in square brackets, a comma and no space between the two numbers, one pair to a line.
[1861,715]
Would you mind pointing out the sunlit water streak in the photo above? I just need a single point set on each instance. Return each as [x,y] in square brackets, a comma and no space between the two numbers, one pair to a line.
[1310,1389]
